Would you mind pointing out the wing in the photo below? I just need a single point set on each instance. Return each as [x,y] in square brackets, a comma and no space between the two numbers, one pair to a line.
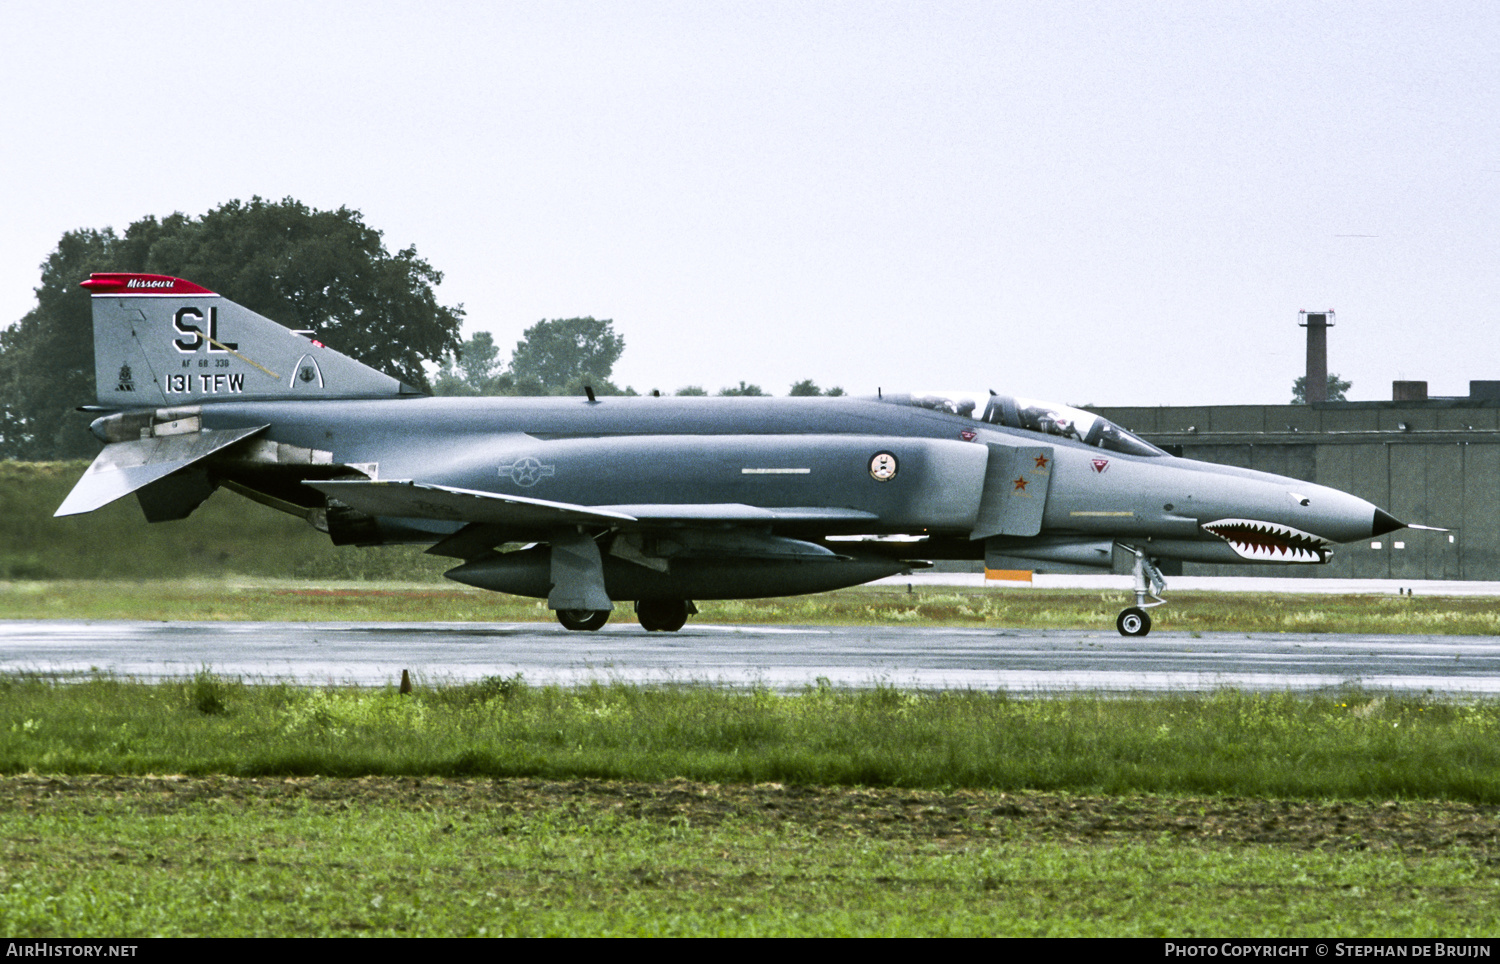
[421,500]
[493,518]
[738,512]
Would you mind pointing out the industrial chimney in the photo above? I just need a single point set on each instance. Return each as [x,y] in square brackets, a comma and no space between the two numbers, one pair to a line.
[1317,323]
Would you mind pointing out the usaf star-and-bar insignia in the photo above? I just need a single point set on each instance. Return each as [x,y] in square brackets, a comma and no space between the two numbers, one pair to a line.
[527,472]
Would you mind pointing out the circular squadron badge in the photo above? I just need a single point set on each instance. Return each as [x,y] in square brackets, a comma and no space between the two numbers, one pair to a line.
[883,467]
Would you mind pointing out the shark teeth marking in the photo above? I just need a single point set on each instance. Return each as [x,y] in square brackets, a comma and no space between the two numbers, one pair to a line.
[1270,541]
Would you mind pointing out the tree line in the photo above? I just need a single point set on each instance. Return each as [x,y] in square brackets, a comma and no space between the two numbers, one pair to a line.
[561,357]
[325,271]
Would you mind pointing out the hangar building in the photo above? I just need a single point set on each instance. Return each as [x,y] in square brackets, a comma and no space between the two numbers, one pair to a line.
[1433,461]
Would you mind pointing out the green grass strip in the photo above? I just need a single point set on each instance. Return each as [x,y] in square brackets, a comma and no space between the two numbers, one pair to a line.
[1353,745]
[267,599]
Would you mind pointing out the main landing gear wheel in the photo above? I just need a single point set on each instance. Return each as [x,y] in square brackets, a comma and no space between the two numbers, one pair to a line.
[1134,622]
[662,615]
[583,619]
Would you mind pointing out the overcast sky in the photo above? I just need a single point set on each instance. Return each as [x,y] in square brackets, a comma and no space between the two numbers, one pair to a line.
[1117,203]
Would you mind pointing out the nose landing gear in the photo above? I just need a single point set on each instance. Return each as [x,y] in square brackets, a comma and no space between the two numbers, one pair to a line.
[1135,621]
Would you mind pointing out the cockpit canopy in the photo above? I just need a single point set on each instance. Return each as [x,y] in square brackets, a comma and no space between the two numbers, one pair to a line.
[1046,418]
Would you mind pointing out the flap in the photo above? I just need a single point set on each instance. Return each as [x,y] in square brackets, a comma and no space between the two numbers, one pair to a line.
[124,467]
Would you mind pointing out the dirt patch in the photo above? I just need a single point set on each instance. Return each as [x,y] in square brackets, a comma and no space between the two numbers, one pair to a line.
[957,817]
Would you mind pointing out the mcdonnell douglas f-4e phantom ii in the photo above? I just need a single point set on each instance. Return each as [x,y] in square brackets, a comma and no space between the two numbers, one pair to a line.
[658,501]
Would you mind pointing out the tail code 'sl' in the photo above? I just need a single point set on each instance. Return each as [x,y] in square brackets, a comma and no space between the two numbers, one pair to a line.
[161,341]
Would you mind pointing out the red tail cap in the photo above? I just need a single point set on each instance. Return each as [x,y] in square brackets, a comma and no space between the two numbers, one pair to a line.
[129,283]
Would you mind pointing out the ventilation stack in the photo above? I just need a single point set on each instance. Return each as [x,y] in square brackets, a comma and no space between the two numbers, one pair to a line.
[1317,323]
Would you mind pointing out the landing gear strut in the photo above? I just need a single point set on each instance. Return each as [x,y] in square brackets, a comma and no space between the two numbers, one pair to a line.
[663,615]
[583,619]
[1135,621]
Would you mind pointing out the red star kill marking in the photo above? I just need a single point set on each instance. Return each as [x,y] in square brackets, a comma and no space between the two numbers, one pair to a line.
[1041,461]
[1020,484]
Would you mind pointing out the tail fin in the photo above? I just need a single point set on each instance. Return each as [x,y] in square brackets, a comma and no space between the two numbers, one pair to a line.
[164,341]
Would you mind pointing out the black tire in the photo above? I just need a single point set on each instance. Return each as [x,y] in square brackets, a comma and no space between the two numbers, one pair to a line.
[583,620]
[1134,622]
[662,615]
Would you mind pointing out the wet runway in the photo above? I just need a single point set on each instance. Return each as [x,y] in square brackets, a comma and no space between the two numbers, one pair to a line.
[787,658]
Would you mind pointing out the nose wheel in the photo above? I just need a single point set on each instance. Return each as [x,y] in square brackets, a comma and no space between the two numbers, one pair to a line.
[1135,621]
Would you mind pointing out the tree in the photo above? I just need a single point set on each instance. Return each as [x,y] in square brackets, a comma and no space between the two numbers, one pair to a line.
[742,390]
[807,388]
[322,270]
[477,370]
[1336,389]
[564,354]
[558,357]
[47,358]
[691,390]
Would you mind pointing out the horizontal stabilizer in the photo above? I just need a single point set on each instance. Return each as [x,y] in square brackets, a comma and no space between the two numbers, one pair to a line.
[124,467]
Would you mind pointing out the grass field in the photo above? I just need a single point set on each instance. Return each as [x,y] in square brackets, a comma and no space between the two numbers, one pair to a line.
[178,856]
[1353,745]
[214,807]
[498,808]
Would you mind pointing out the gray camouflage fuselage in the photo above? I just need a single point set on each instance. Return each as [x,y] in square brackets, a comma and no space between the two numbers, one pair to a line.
[791,453]
[657,499]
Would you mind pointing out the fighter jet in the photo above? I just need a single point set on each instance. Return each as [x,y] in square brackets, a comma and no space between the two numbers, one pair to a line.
[589,501]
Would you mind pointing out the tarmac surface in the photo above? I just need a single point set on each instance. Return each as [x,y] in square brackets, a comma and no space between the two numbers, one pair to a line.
[793,657]
[781,657]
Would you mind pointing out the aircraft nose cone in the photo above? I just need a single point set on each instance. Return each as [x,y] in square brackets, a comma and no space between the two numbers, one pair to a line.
[1385,522]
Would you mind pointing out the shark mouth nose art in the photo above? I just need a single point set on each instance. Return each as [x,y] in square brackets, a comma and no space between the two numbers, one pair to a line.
[1270,542]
